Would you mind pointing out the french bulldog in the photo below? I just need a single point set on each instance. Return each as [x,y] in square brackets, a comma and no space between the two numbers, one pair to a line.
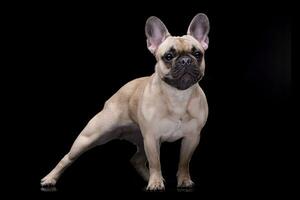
[166,106]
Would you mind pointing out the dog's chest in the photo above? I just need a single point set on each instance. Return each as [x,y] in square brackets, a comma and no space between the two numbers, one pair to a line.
[177,122]
[174,128]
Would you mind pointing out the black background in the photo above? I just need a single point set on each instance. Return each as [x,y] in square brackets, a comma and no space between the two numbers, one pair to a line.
[77,56]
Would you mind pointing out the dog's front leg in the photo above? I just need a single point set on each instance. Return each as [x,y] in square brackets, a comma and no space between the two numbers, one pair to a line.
[188,146]
[152,149]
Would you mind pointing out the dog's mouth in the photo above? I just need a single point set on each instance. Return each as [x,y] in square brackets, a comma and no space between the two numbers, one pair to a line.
[183,78]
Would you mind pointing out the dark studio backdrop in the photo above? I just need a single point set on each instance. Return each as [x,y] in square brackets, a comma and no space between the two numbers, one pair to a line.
[83,56]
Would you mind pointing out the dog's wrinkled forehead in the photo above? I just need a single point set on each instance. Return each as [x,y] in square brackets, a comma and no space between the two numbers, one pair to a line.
[183,44]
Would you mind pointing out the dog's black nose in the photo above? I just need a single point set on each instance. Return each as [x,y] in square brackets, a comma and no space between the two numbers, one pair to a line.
[185,60]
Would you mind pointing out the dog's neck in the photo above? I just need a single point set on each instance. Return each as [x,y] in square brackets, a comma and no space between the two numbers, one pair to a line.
[175,98]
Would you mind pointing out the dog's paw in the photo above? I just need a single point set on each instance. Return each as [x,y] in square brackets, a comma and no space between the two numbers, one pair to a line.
[48,181]
[156,184]
[185,183]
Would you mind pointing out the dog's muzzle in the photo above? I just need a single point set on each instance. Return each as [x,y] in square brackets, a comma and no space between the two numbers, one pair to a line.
[184,73]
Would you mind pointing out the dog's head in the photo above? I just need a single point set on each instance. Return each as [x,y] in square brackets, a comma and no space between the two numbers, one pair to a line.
[180,60]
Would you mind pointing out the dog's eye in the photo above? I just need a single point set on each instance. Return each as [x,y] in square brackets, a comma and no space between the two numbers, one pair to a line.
[198,55]
[169,56]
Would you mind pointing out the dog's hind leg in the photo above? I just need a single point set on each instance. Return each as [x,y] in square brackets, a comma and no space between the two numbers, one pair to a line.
[139,161]
[98,131]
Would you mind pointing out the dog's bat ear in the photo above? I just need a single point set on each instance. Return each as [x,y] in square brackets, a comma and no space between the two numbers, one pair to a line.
[199,28]
[156,33]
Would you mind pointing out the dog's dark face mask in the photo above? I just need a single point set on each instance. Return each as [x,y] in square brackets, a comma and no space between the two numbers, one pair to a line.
[185,68]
